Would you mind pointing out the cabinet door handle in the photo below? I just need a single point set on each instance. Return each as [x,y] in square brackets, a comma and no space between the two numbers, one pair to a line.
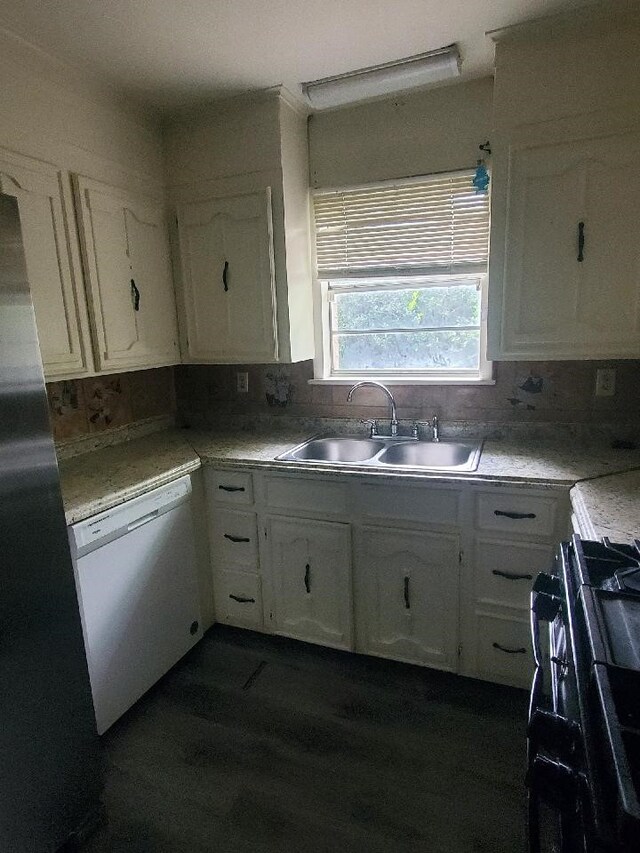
[511,576]
[241,599]
[507,650]
[580,242]
[407,599]
[135,295]
[515,515]
[225,276]
[231,488]
[236,538]
[307,578]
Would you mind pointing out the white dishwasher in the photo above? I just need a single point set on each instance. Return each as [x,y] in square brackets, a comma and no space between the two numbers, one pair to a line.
[136,577]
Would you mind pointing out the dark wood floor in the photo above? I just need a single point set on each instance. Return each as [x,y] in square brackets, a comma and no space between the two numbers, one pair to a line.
[259,744]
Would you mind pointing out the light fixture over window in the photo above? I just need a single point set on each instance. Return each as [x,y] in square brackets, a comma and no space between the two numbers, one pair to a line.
[386,79]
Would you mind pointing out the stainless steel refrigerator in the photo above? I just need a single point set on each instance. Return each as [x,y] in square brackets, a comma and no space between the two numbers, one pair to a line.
[50,764]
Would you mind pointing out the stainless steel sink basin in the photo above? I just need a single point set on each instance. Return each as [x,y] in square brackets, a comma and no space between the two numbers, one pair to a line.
[460,455]
[336,450]
[386,452]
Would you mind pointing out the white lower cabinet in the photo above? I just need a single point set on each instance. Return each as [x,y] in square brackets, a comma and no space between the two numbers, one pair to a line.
[233,541]
[433,574]
[407,595]
[239,599]
[310,568]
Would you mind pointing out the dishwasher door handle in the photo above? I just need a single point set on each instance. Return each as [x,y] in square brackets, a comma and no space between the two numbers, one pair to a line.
[139,522]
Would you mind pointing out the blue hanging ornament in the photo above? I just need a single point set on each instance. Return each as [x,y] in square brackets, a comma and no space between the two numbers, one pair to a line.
[481,178]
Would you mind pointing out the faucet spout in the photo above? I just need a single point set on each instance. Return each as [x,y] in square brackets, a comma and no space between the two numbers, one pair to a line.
[389,395]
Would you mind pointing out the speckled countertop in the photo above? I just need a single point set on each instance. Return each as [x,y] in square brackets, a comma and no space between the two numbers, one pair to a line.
[104,478]
[556,464]
[608,505]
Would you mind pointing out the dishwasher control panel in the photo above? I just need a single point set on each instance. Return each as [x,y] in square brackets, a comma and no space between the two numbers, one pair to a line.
[110,524]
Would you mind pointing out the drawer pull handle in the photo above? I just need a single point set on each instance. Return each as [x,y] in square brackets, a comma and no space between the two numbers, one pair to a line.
[231,488]
[407,600]
[515,515]
[307,578]
[511,576]
[135,296]
[580,257]
[225,276]
[236,538]
[520,651]
[241,599]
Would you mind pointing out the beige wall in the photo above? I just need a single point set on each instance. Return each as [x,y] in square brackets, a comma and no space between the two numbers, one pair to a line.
[55,113]
[232,137]
[564,68]
[434,131]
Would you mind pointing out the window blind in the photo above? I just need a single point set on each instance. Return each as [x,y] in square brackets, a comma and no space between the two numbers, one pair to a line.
[427,226]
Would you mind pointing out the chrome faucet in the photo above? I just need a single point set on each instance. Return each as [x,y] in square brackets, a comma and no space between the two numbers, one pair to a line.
[392,402]
[434,424]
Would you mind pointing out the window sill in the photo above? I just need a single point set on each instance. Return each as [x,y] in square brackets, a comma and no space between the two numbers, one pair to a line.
[402,380]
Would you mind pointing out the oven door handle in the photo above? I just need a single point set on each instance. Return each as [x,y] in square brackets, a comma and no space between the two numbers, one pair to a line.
[535,635]
[544,606]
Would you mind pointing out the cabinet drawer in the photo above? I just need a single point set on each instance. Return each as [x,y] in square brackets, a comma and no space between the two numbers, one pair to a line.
[532,515]
[230,487]
[306,495]
[409,503]
[505,571]
[234,540]
[239,599]
[504,650]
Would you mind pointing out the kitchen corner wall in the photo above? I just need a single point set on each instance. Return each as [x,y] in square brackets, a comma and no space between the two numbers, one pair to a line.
[100,404]
[524,392]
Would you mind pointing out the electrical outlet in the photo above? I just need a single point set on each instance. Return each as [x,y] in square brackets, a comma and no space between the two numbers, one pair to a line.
[242,382]
[605,382]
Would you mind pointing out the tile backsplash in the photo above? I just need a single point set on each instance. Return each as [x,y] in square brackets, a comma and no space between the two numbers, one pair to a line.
[524,392]
[81,407]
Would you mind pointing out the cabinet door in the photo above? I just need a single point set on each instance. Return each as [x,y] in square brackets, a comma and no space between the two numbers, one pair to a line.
[228,283]
[407,595]
[309,563]
[559,301]
[608,314]
[54,278]
[128,268]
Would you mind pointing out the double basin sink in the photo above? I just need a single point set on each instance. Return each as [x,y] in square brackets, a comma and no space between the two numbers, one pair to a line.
[386,452]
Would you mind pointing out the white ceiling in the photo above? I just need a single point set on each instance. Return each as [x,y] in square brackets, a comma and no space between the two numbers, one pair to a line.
[173,52]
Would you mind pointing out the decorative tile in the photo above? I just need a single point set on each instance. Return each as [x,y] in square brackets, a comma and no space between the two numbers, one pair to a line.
[67,411]
[535,392]
[108,402]
[82,407]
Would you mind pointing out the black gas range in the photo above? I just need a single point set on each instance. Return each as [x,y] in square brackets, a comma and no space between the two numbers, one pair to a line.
[584,716]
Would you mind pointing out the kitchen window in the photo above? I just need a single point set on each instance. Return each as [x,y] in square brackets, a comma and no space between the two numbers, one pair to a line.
[401,269]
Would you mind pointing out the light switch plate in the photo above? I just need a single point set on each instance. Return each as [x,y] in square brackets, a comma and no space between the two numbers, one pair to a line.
[605,382]
[242,382]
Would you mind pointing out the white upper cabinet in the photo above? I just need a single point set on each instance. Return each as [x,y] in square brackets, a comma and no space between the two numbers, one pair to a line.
[226,251]
[239,178]
[564,270]
[571,272]
[128,274]
[54,275]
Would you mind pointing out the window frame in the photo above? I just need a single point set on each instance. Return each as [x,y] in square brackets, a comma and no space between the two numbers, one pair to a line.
[323,367]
